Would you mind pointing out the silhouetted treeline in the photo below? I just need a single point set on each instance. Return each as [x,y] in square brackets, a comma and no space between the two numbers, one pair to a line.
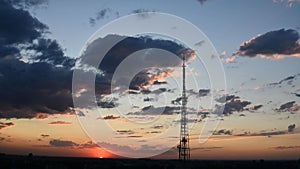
[37,162]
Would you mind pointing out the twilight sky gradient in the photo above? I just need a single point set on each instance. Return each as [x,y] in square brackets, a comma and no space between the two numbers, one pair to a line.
[257,41]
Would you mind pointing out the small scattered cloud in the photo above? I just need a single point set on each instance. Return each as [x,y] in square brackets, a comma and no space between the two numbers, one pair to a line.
[204,92]
[200,43]
[151,110]
[286,106]
[6,124]
[45,135]
[156,82]
[177,101]
[158,126]
[223,132]
[125,132]
[286,147]
[296,94]
[263,133]
[80,113]
[202,1]
[62,143]
[159,91]
[110,117]
[291,127]
[143,13]
[288,80]
[199,93]
[148,99]
[101,14]
[233,103]
[108,103]
[253,108]
[59,122]
[207,148]
[226,98]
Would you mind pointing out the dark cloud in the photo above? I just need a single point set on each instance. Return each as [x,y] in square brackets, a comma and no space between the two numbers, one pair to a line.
[286,147]
[158,127]
[289,80]
[200,43]
[148,99]
[156,82]
[135,136]
[226,98]
[204,92]
[6,124]
[207,148]
[80,113]
[60,122]
[45,135]
[101,14]
[296,94]
[67,143]
[233,104]
[17,27]
[51,52]
[286,106]
[291,127]
[2,139]
[202,1]
[200,93]
[270,133]
[111,117]
[223,132]
[148,91]
[159,68]
[38,84]
[88,144]
[159,91]
[20,31]
[32,90]
[272,44]
[177,101]
[151,110]
[125,131]
[62,143]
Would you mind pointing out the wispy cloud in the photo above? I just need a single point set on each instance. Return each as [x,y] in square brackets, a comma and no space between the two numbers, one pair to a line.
[59,122]
[289,3]
[288,80]
[286,147]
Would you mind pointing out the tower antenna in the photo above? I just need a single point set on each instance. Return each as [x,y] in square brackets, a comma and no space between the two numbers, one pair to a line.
[183,147]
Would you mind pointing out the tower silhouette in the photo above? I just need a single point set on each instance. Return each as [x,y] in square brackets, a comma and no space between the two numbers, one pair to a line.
[183,147]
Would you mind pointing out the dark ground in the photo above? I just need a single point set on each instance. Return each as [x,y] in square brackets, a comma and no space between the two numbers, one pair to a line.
[36,162]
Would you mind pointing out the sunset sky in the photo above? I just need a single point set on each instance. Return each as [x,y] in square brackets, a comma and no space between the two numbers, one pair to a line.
[253,47]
